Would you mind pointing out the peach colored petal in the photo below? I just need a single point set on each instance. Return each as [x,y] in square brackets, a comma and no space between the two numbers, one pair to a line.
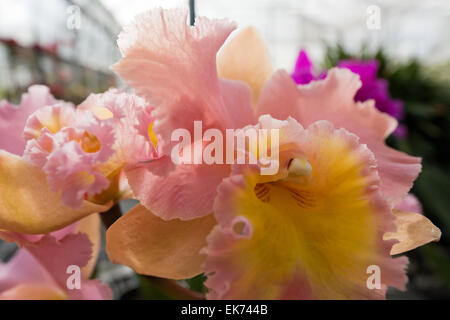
[26,203]
[152,246]
[311,236]
[33,291]
[413,230]
[245,57]
[173,66]
[332,99]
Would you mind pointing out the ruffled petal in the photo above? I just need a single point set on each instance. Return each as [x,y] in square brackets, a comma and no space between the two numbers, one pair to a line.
[71,147]
[135,142]
[187,192]
[245,57]
[152,246]
[183,191]
[13,118]
[39,269]
[70,170]
[310,235]
[57,255]
[173,66]
[54,118]
[89,225]
[413,230]
[23,268]
[26,203]
[410,203]
[332,99]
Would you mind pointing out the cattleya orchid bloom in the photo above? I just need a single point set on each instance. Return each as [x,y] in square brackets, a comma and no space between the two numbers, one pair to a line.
[38,270]
[72,160]
[334,208]
[372,87]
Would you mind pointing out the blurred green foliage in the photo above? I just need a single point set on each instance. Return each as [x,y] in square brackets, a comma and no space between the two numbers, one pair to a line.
[425,91]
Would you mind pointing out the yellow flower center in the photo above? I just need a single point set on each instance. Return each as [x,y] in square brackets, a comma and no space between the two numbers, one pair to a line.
[319,219]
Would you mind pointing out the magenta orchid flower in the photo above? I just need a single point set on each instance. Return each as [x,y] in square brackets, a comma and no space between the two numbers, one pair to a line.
[309,231]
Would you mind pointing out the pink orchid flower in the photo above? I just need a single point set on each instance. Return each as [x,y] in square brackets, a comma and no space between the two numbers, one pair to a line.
[72,158]
[38,269]
[311,230]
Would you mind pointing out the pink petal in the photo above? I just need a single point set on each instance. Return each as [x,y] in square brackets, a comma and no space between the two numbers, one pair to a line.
[23,268]
[71,170]
[173,66]
[13,118]
[53,118]
[410,203]
[56,255]
[187,192]
[69,149]
[132,117]
[332,99]
[89,225]
[43,264]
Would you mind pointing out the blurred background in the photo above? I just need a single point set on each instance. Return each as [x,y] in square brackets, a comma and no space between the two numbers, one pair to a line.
[70,44]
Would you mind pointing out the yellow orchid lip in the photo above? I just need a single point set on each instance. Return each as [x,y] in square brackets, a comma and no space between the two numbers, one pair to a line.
[319,221]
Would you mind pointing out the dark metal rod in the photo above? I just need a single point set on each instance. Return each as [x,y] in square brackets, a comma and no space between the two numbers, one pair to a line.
[192,11]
